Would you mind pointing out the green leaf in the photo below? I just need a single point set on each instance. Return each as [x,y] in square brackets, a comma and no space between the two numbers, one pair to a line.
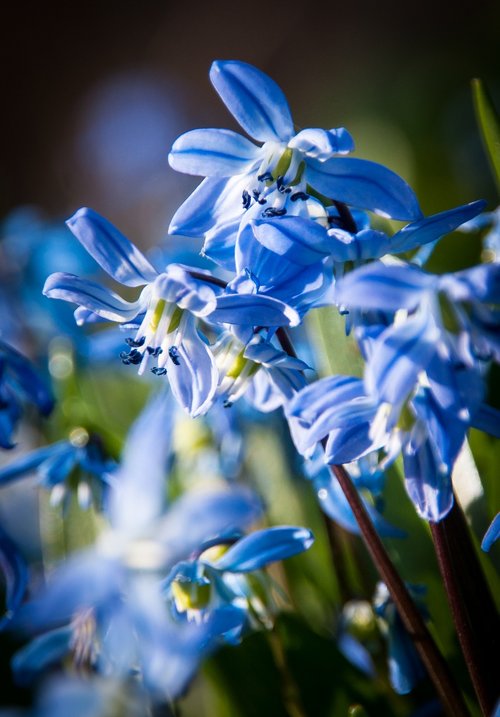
[489,124]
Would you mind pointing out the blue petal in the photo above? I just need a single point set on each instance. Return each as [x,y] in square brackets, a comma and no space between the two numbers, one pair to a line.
[253,310]
[492,534]
[428,483]
[398,356]
[26,379]
[194,380]
[58,467]
[254,100]
[485,418]
[334,503]
[215,201]
[480,283]
[98,299]
[28,462]
[263,547]
[356,653]
[220,244]
[15,576]
[405,667]
[111,250]
[364,184]
[322,144]
[431,228]
[299,240]
[213,153]
[196,518]
[138,497]
[41,653]
[382,287]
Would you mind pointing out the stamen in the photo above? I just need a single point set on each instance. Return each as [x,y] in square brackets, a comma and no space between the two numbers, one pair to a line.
[266,177]
[246,199]
[227,404]
[303,196]
[174,355]
[135,343]
[154,352]
[159,371]
[133,357]
[272,212]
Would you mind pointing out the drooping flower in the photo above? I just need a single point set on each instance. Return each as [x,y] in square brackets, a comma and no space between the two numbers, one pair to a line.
[119,580]
[78,464]
[224,576]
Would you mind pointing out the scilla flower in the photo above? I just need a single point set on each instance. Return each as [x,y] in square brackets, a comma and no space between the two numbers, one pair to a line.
[281,170]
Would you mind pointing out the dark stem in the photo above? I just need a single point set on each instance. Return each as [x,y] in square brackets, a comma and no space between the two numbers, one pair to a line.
[345,216]
[430,655]
[436,666]
[473,610]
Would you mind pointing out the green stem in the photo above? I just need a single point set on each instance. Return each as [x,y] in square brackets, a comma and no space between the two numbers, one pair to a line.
[289,689]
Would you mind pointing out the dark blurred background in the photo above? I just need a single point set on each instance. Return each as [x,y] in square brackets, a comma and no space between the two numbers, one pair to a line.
[95,93]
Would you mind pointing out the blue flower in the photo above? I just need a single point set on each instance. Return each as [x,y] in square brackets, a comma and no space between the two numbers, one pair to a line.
[268,376]
[281,171]
[117,583]
[56,464]
[19,383]
[217,579]
[166,313]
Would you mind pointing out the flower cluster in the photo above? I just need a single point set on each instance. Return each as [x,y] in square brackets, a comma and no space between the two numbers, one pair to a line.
[289,222]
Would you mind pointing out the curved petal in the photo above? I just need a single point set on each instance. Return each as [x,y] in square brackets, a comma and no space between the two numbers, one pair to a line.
[428,483]
[41,653]
[253,310]
[198,517]
[111,250]
[263,547]
[212,153]
[28,462]
[364,184]
[139,495]
[194,376]
[98,299]
[492,534]
[299,240]
[334,503]
[26,378]
[322,144]
[431,228]
[15,575]
[254,100]
[398,356]
[383,287]
[215,201]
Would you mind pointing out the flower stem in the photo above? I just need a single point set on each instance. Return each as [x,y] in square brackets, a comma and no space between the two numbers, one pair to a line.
[473,610]
[436,666]
[430,655]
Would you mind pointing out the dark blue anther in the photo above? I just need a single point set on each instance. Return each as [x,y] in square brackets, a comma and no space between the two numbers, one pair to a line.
[158,371]
[227,404]
[174,355]
[280,183]
[154,352]
[135,343]
[272,212]
[246,199]
[299,195]
[257,198]
[267,176]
